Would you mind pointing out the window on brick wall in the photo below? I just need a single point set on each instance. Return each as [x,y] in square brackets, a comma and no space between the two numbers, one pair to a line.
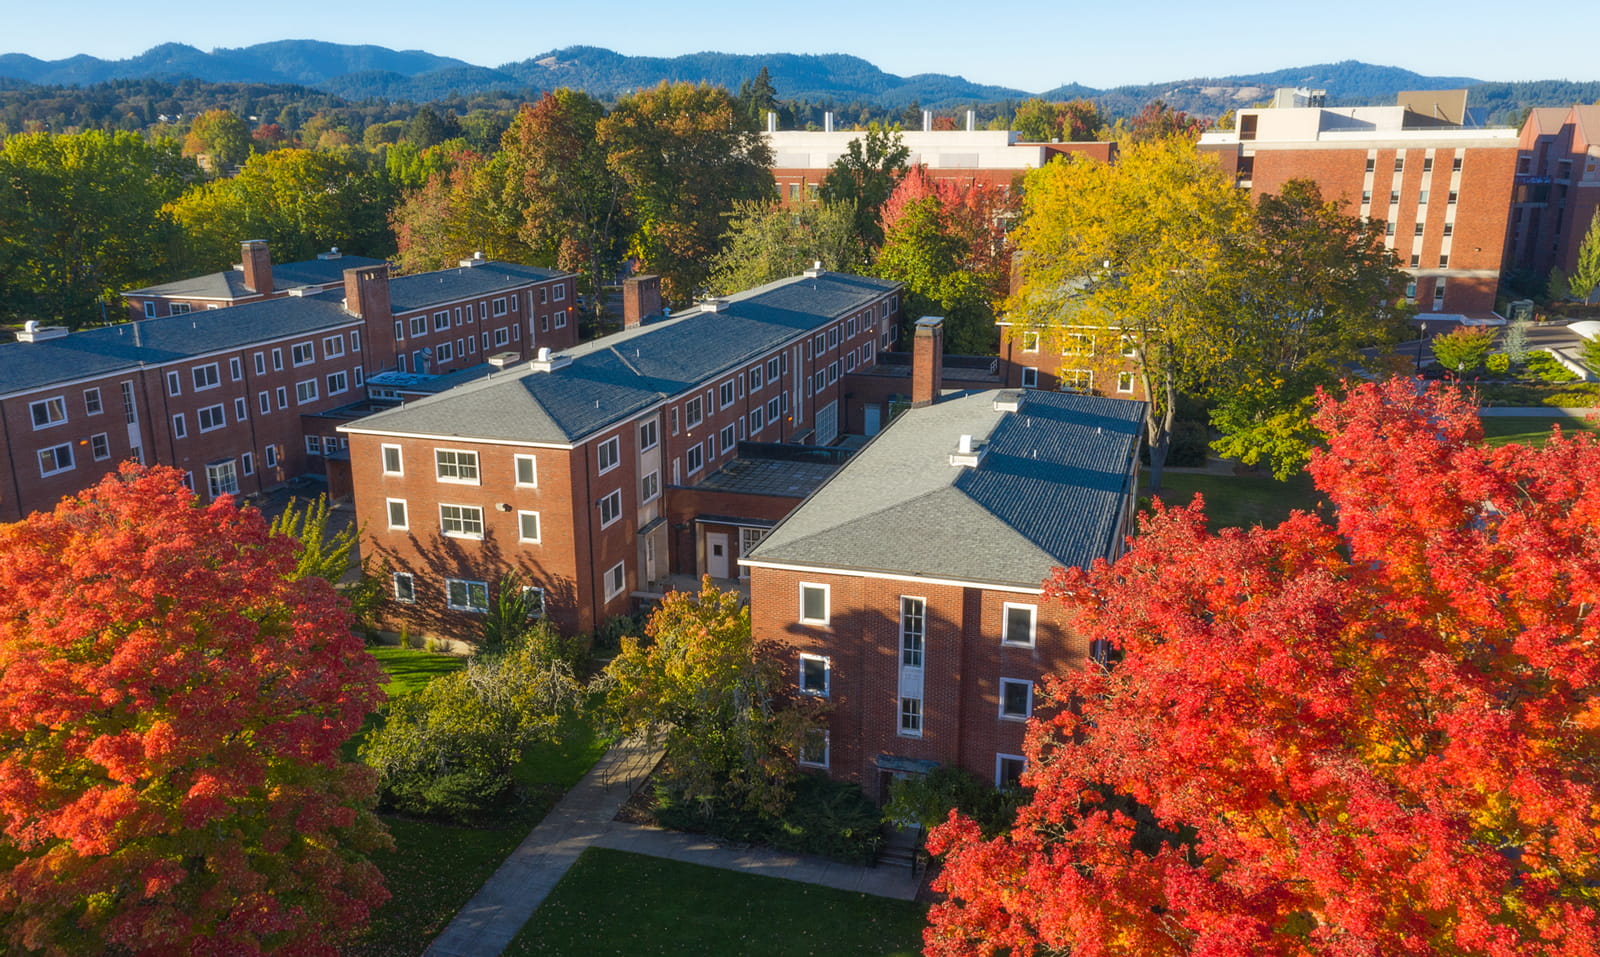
[814,675]
[813,604]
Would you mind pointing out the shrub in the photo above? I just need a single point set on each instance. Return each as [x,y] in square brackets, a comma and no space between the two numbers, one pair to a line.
[1545,366]
[607,639]
[831,819]
[928,799]
[1499,363]
[1572,400]
[1464,349]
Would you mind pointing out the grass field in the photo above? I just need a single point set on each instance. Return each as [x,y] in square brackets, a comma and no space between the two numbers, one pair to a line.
[1239,501]
[1529,429]
[616,903]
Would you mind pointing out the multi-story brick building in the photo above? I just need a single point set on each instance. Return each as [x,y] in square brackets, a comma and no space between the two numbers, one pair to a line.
[1441,188]
[1557,190]
[557,467]
[232,396]
[907,590]
[255,278]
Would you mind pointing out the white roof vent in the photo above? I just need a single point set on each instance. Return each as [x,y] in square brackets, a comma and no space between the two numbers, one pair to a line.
[298,291]
[1007,401]
[547,362]
[815,270]
[332,253]
[33,332]
[476,260]
[502,359]
[967,453]
[714,305]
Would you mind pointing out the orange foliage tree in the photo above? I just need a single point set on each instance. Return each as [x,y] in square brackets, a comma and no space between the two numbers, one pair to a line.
[1379,737]
[172,706]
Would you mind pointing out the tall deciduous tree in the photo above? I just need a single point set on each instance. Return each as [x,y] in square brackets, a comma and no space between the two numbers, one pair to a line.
[687,156]
[1043,121]
[1587,274]
[173,699]
[768,241]
[1138,255]
[1375,738]
[1158,121]
[572,202]
[459,211]
[221,137]
[867,172]
[81,219]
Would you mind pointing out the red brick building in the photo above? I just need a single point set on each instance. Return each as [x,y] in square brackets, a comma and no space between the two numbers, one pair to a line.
[1442,188]
[907,591]
[558,467]
[1557,190]
[255,278]
[235,397]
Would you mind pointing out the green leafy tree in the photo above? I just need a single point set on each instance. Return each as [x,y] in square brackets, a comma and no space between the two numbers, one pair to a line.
[459,212]
[325,552]
[1558,286]
[513,615]
[1137,255]
[1043,121]
[866,175]
[687,156]
[1515,342]
[925,250]
[758,97]
[221,137]
[1464,349]
[82,218]
[1158,121]
[1587,274]
[769,241]
[702,687]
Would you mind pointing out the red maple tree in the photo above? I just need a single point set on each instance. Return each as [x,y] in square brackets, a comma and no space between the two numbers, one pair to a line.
[1373,738]
[172,705]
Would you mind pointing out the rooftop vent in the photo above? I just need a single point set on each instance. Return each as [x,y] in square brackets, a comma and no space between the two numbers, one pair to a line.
[546,362]
[967,453]
[476,260]
[298,291]
[502,359]
[332,253]
[33,332]
[815,270]
[713,305]
[1007,401]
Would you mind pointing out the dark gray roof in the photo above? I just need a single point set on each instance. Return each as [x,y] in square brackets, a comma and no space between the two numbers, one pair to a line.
[33,365]
[612,378]
[1050,489]
[463,282]
[230,284]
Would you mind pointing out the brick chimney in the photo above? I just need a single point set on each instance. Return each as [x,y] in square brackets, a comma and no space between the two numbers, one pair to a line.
[641,299]
[257,266]
[927,361]
[366,292]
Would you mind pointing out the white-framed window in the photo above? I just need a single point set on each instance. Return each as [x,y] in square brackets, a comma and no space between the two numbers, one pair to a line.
[419,326]
[222,478]
[772,369]
[649,487]
[48,412]
[180,428]
[206,377]
[441,321]
[649,435]
[913,630]
[561,318]
[1008,770]
[609,454]
[398,519]
[1016,699]
[910,716]
[1030,377]
[814,748]
[149,310]
[270,454]
[1017,626]
[393,463]
[1030,341]
[456,465]
[527,471]
[91,402]
[727,438]
[461,521]
[241,409]
[725,394]
[302,353]
[181,308]
[55,460]
[695,458]
[527,526]
[774,406]
[693,412]
[100,446]
[235,368]
[313,445]
[174,384]
[499,306]
[1128,348]
[247,463]
[815,675]
[758,419]
[502,336]
[337,383]
[277,360]
[1078,344]
[813,604]
[212,418]
[405,589]
[1077,380]
[610,507]
[359,379]
[560,292]
[535,596]
[464,595]
[616,580]
[1124,382]
[283,397]
[305,391]
[264,402]
[755,378]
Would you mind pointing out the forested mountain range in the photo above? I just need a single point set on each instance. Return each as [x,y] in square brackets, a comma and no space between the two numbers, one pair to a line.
[358,73]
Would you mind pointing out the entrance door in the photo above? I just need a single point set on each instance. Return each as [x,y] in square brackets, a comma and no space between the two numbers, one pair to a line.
[717,554]
[828,423]
[874,419]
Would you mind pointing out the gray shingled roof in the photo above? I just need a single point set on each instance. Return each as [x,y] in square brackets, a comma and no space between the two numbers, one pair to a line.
[230,284]
[612,378]
[32,365]
[463,282]
[1050,490]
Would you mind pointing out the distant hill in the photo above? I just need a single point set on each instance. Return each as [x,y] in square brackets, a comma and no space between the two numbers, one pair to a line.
[359,73]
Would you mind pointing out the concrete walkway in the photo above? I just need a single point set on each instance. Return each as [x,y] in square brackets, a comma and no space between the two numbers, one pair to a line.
[509,897]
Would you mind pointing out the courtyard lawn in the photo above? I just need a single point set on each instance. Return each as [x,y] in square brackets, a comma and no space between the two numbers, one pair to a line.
[612,902]
[1529,429]
[1239,501]
[435,868]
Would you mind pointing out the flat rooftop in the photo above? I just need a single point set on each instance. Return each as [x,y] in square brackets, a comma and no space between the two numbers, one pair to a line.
[768,477]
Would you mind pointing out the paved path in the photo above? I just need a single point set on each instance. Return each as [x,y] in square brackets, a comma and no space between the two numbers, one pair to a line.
[896,882]
[1547,410]
[504,903]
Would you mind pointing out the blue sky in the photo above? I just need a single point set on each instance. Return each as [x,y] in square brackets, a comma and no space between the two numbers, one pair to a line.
[1029,45]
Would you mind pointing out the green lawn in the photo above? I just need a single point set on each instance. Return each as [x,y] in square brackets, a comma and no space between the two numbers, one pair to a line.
[435,868]
[1239,501]
[612,902]
[1529,429]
